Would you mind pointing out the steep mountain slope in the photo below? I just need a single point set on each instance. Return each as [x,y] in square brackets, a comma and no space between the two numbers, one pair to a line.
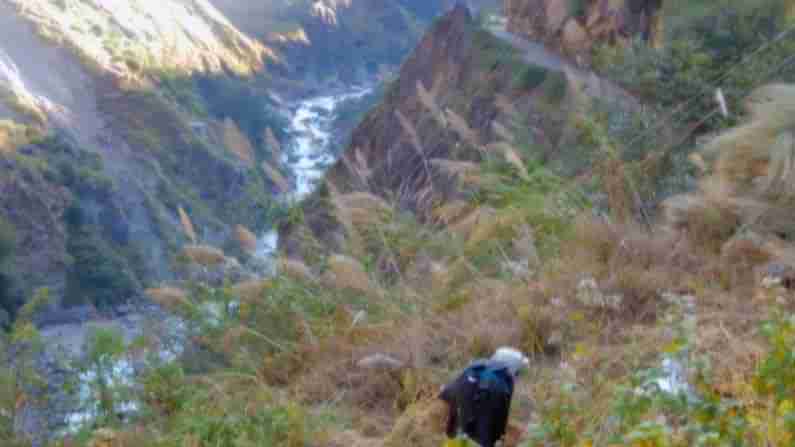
[139,139]
[125,118]
[497,197]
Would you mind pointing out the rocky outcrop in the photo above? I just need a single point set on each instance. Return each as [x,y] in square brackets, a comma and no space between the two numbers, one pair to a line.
[575,27]
[464,92]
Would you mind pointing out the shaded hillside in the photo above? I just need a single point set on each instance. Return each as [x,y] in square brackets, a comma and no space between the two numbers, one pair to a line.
[124,117]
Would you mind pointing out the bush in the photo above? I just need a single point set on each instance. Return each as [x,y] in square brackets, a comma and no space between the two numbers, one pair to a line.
[98,274]
[8,302]
[706,50]
[529,77]
[251,110]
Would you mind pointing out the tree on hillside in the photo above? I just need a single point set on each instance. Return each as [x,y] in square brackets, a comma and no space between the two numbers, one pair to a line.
[7,244]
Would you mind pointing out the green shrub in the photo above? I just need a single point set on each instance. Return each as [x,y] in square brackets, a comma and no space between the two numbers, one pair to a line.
[98,274]
[104,349]
[165,390]
[529,77]
[183,91]
[714,48]
[249,108]
[8,302]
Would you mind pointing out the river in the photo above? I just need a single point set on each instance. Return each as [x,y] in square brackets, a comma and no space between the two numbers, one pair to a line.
[307,156]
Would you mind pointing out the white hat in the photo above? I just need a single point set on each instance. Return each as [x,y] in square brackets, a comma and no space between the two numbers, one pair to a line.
[512,358]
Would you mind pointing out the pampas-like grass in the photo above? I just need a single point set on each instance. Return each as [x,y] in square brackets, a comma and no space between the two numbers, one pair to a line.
[492,225]
[410,131]
[461,127]
[347,273]
[466,225]
[276,177]
[751,186]
[273,144]
[250,291]
[511,156]
[467,172]
[204,255]
[363,208]
[168,297]
[428,99]
[237,142]
[296,270]
[187,225]
[502,132]
[246,239]
[451,211]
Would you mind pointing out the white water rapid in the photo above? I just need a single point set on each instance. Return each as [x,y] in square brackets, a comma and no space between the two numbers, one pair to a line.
[307,158]
[309,155]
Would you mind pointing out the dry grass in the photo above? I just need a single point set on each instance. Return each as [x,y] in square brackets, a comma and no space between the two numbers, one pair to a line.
[620,199]
[503,132]
[362,209]
[511,155]
[245,239]
[296,270]
[624,262]
[276,177]
[273,144]
[203,255]
[466,172]
[14,135]
[467,224]
[493,314]
[428,99]
[493,226]
[752,182]
[187,225]
[250,291]
[421,425]
[461,127]
[168,297]
[358,166]
[351,438]
[238,143]
[450,212]
[410,131]
[347,273]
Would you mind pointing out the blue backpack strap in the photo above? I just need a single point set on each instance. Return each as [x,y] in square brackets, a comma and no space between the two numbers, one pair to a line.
[496,378]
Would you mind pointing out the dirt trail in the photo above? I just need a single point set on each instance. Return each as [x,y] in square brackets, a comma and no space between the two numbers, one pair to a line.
[536,53]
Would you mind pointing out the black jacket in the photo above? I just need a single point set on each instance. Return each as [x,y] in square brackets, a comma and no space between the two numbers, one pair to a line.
[479,401]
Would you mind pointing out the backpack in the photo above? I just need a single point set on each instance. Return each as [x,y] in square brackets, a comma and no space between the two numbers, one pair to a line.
[479,402]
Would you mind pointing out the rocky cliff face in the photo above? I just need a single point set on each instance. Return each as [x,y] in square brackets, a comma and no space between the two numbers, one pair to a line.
[465,93]
[576,26]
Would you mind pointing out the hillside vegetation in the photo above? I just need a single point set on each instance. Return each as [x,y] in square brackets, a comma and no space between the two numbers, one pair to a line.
[639,250]
[119,118]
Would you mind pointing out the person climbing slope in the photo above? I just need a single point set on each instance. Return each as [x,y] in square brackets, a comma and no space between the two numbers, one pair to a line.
[479,399]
